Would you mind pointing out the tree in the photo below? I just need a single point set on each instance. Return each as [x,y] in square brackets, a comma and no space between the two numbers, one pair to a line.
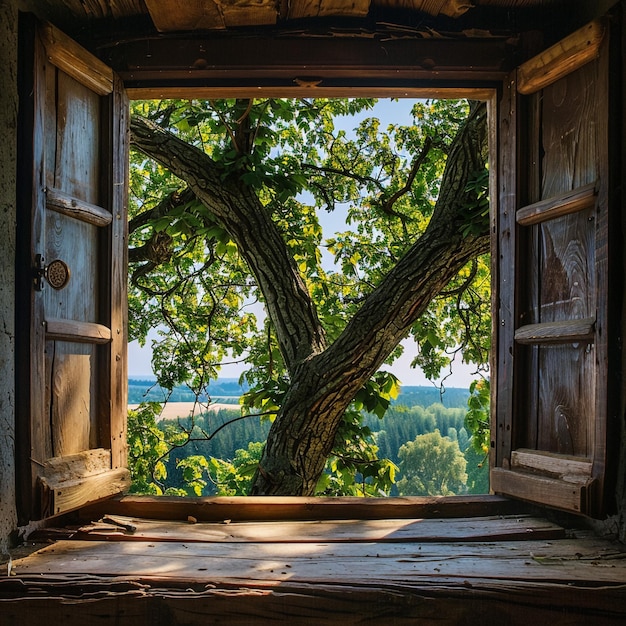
[431,465]
[239,229]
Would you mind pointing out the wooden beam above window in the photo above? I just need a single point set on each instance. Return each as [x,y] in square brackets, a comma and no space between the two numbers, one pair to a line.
[254,62]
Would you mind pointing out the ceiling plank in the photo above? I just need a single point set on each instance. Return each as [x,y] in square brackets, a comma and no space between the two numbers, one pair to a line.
[323,8]
[248,12]
[449,8]
[173,15]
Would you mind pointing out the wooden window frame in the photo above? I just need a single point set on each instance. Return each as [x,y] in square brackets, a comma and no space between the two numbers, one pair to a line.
[415,82]
[549,66]
[251,508]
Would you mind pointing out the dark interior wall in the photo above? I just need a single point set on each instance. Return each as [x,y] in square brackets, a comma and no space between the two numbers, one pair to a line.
[8,148]
[620,174]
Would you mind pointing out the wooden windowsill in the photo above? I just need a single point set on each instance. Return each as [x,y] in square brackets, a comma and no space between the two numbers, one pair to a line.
[251,508]
[499,569]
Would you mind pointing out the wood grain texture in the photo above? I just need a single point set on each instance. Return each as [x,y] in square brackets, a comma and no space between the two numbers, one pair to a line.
[567,398]
[567,408]
[82,165]
[74,243]
[383,531]
[81,332]
[71,480]
[563,204]
[213,67]
[68,495]
[451,8]
[450,602]
[171,15]
[75,61]
[72,379]
[71,467]
[352,572]
[561,59]
[561,295]
[319,8]
[504,266]
[247,508]
[543,489]
[274,564]
[569,468]
[113,400]
[565,331]
[61,202]
[242,12]
[76,163]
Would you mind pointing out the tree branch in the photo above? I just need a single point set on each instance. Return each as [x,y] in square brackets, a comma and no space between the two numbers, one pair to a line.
[387,206]
[239,211]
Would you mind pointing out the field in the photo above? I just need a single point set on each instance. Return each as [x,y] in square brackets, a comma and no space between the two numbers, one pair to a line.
[173,410]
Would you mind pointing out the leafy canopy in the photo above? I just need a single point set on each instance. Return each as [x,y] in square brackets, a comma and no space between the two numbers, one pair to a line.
[312,162]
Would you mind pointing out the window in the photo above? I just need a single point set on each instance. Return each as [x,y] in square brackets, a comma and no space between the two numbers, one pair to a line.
[551,239]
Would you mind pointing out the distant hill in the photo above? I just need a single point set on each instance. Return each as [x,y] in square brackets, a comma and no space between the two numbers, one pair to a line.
[146,389]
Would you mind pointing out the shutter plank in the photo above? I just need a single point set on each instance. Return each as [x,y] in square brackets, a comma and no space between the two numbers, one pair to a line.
[61,202]
[114,365]
[73,330]
[560,494]
[561,59]
[67,495]
[565,331]
[75,61]
[563,204]
[568,468]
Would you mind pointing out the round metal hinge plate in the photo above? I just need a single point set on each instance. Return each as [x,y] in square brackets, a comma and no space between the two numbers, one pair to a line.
[57,274]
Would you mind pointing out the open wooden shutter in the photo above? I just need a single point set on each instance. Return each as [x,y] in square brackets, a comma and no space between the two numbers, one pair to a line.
[72,379]
[552,376]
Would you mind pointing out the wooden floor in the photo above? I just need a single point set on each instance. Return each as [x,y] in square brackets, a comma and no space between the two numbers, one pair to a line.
[504,570]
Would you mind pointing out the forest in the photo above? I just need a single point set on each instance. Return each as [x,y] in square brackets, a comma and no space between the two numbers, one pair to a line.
[423,440]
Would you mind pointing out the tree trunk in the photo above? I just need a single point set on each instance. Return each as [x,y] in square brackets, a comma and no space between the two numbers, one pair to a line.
[325,379]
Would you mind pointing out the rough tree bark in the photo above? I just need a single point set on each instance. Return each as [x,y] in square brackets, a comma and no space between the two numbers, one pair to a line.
[325,378]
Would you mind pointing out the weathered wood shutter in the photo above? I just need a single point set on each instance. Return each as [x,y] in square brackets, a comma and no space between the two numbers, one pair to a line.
[72,385]
[552,376]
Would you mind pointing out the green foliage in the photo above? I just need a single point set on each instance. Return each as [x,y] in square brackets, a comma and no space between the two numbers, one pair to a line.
[148,449]
[477,207]
[431,465]
[300,162]
[477,471]
[354,467]
[477,418]
[234,478]
[190,282]
[194,468]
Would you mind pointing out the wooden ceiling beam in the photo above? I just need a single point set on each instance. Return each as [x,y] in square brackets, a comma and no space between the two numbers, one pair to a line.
[321,62]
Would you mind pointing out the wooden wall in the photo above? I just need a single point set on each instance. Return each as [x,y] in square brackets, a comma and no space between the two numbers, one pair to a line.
[8,147]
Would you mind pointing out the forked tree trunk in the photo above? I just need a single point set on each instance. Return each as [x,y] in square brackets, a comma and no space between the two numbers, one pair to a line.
[325,379]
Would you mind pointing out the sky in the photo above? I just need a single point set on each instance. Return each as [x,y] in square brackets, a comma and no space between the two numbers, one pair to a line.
[462,374]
